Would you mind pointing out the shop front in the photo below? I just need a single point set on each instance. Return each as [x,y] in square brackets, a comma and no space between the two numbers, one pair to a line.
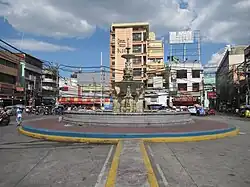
[185,100]
[83,101]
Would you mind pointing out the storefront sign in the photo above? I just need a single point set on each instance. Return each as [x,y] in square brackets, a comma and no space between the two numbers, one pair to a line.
[211,95]
[185,99]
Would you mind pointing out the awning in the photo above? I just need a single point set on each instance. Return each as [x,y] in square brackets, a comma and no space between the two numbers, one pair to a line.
[82,101]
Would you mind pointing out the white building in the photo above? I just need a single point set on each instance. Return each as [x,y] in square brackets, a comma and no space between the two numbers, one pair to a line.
[49,83]
[68,87]
[186,83]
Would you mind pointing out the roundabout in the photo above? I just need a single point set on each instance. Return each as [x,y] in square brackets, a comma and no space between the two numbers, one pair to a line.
[198,130]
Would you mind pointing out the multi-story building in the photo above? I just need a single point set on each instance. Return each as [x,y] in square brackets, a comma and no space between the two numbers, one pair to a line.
[210,85]
[49,86]
[31,78]
[186,83]
[135,36]
[85,89]
[247,65]
[156,93]
[10,91]
[227,77]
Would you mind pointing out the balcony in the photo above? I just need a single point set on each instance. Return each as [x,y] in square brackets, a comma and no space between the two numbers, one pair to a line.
[49,88]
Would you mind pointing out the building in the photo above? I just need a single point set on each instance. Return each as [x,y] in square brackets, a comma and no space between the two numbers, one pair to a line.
[210,85]
[227,77]
[247,69]
[10,91]
[135,35]
[31,78]
[186,83]
[85,89]
[156,92]
[49,86]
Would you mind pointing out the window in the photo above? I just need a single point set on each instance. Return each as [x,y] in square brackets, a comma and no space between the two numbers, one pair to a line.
[5,78]
[113,37]
[137,37]
[137,49]
[8,63]
[181,74]
[144,36]
[113,74]
[113,50]
[196,87]
[137,72]
[113,62]
[153,99]
[196,73]
[150,85]
[182,87]
[137,60]
[144,48]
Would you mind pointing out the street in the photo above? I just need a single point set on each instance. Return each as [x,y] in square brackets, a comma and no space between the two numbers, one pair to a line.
[28,162]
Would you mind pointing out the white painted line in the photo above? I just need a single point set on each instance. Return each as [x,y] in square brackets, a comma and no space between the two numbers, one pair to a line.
[164,180]
[150,151]
[242,133]
[158,167]
[99,179]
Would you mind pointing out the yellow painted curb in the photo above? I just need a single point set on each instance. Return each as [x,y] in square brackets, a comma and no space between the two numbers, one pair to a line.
[111,179]
[68,139]
[114,141]
[152,180]
[192,138]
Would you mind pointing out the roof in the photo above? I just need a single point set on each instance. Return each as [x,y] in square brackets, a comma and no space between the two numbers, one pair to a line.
[9,56]
[133,24]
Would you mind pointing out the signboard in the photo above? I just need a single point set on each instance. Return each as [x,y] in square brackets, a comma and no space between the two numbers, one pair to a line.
[181,37]
[211,95]
[157,82]
[209,78]
[185,99]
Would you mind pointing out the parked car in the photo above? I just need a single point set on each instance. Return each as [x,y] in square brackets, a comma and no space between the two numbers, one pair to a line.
[192,110]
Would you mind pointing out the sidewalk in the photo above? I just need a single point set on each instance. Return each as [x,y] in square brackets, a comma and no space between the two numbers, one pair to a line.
[131,166]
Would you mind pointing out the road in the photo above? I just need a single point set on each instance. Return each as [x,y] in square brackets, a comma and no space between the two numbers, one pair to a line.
[27,162]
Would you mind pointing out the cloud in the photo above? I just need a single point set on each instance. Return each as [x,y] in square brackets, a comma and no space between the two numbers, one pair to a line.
[224,21]
[35,45]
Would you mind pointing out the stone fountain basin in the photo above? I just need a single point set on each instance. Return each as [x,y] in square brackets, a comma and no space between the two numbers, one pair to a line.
[110,119]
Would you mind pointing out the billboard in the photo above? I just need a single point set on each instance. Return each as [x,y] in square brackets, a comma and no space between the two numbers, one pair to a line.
[157,82]
[211,95]
[209,78]
[181,37]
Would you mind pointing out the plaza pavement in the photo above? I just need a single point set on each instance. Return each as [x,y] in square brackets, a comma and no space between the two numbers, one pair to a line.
[27,162]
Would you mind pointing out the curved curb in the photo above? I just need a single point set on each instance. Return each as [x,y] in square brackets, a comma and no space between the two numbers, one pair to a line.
[64,136]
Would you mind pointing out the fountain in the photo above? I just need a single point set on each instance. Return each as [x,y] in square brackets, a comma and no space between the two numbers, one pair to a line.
[128,95]
[128,107]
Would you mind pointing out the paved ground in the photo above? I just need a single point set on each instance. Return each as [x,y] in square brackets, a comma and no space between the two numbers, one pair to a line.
[27,162]
[198,125]
[217,163]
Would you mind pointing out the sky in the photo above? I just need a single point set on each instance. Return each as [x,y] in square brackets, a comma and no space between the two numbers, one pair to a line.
[76,32]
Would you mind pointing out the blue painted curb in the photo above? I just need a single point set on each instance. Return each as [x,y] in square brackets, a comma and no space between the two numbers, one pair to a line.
[124,135]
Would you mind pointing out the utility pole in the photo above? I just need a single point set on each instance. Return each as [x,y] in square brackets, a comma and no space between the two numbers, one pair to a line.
[94,84]
[57,82]
[101,82]
[203,92]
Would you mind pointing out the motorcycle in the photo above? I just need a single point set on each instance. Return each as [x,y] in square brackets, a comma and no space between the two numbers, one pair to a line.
[4,119]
